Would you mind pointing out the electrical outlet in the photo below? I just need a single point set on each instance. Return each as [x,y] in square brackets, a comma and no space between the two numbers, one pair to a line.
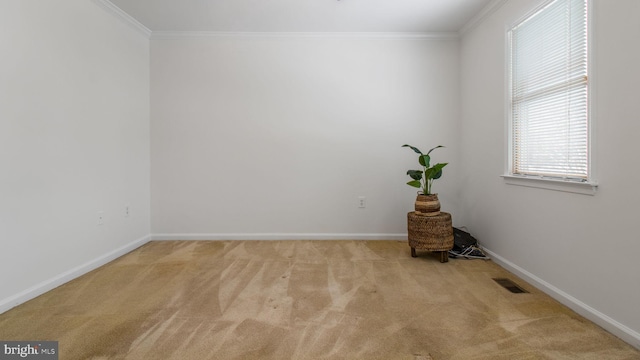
[127,210]
[362,203]
[100,217]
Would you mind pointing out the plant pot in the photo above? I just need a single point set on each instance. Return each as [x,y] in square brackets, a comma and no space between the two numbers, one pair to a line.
[427,205]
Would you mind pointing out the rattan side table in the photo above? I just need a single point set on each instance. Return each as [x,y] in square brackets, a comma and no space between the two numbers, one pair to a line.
[432,233]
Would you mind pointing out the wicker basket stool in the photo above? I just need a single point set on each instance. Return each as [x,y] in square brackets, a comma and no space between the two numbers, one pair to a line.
[433,233]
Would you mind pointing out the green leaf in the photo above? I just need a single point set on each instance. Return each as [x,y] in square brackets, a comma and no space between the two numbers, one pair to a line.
[433,171]
[439,146]
[424,160]
[415,174]
[428,174]
[415,183]
[439,166]
[437,170]
[413,148]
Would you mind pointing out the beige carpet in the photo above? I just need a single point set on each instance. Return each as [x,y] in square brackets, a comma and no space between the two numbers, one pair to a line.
[303,300]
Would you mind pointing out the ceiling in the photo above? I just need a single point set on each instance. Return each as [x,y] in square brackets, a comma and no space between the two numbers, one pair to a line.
[405,16]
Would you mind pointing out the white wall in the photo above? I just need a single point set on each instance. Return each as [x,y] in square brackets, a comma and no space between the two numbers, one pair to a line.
[258,136]
[74,140]
[278,135]
[583,249]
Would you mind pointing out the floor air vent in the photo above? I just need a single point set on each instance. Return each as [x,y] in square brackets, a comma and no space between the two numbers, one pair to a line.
[510,285]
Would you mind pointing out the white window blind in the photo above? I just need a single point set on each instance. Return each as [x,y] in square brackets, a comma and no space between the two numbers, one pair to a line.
[549,88]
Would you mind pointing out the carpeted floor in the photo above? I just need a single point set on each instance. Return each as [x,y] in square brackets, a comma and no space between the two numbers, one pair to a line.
[303,300]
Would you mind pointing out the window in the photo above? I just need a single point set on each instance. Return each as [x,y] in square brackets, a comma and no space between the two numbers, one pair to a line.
[549,110]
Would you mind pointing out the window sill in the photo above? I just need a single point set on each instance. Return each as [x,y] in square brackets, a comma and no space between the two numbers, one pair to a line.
[552,184]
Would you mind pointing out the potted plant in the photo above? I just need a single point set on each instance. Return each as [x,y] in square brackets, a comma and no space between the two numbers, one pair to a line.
[427,203]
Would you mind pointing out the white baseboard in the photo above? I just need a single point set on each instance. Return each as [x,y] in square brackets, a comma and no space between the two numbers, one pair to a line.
[47,285]
[622,331]
[279,236]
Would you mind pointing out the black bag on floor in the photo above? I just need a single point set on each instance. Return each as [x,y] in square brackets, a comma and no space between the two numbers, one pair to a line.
[462,240]
[465,245]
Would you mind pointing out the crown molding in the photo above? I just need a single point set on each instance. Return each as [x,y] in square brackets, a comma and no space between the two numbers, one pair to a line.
[123,16]
[486,11]
[357,35]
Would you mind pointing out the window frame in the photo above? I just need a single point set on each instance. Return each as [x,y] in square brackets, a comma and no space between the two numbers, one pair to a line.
[587,187]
